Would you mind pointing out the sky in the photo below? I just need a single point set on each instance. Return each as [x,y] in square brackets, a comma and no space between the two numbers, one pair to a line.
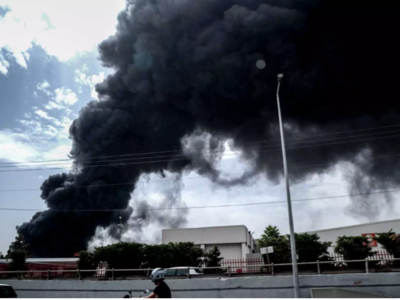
[48,70]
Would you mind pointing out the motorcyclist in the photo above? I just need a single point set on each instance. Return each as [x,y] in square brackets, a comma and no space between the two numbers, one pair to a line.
[162,290]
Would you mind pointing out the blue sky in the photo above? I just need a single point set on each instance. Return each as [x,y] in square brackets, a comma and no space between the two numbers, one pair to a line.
[48,70]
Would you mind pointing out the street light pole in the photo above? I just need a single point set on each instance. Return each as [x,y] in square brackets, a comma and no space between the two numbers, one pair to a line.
[120,226]
[289,203]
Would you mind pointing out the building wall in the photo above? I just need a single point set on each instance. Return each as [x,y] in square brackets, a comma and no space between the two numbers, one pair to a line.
[384,284]
[234,242]
[206,235]
[228,251]
[331,235]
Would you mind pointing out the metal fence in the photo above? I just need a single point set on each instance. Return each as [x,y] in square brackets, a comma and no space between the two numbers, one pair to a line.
[38,270]
[266,269]
[249,265]
[379,255]
[239,266]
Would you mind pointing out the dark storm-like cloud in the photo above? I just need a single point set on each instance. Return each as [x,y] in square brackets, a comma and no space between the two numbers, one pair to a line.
[186,67]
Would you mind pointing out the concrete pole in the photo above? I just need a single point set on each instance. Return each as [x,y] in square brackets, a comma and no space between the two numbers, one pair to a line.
[289,203]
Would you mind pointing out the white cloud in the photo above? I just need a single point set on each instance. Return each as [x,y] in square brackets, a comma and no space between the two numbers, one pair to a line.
[65,96]
[37,139]
[4,64]
[86,80]
[52,105]
[14,147]
[43,114]
[73,30]
[53,129]
[60,98]
[44,87]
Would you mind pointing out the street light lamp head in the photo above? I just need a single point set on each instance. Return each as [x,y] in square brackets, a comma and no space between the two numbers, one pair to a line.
[280,76]
[260,64]
[120,217]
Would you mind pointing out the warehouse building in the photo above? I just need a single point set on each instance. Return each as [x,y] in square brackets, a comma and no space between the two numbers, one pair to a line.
[234,242]
[368,229]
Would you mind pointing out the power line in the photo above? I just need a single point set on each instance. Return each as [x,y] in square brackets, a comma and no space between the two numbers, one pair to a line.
[333,133]
[200,207]
[186,157]
[162,180]
[169,151]
[169,160]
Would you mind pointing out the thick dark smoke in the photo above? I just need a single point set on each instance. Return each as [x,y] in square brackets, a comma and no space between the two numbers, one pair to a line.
[186,68]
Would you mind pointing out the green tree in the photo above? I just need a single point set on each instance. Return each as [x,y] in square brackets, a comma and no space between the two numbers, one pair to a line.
[213,259]
[353,248]
[271,232]
[391,242]
[18,245]
[310,248]
[172,255]
[86,262]
[18,259]
[141,256]
[281,244]
[120,256]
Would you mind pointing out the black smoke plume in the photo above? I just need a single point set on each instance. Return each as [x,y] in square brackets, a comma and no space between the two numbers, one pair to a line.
[185,68]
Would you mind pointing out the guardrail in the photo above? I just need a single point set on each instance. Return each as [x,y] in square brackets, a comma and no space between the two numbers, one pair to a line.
[226,270]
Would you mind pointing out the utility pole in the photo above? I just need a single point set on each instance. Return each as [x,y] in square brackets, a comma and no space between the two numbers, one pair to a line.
[289,203]
[120,226]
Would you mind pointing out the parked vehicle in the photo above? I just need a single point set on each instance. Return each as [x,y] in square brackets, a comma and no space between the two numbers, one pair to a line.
[141,295]
[6,291]
[182,271]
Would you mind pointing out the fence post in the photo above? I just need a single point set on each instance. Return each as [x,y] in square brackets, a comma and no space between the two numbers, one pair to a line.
[188,273]
[48,274]
[113,274]
[18,275]
[79,274]
[366,265]
[318,267]
[229,271]
[272,269]
[148,272]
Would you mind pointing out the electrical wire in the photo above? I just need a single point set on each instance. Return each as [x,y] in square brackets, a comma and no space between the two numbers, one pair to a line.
[169,160]
[185,156]
[169,151]
[162,180]
[201,207]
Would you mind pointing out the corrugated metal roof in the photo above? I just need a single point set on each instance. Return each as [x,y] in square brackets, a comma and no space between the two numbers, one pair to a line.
[352,226]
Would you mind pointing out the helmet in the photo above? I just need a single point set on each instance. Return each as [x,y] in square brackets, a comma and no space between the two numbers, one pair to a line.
[157,274]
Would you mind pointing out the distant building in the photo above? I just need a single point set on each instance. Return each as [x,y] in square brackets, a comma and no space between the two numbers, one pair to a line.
[368,229]
[234,242]
[61,265]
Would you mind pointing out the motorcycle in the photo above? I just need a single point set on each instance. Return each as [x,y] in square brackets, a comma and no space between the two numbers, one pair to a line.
[130,294]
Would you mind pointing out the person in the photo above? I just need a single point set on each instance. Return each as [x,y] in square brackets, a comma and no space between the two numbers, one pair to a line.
[162,289]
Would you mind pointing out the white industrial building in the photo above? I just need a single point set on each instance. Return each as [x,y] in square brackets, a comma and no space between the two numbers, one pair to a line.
[367,229]
[234,242]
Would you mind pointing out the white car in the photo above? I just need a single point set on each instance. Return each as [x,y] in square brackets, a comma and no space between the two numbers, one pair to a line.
[182,271]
